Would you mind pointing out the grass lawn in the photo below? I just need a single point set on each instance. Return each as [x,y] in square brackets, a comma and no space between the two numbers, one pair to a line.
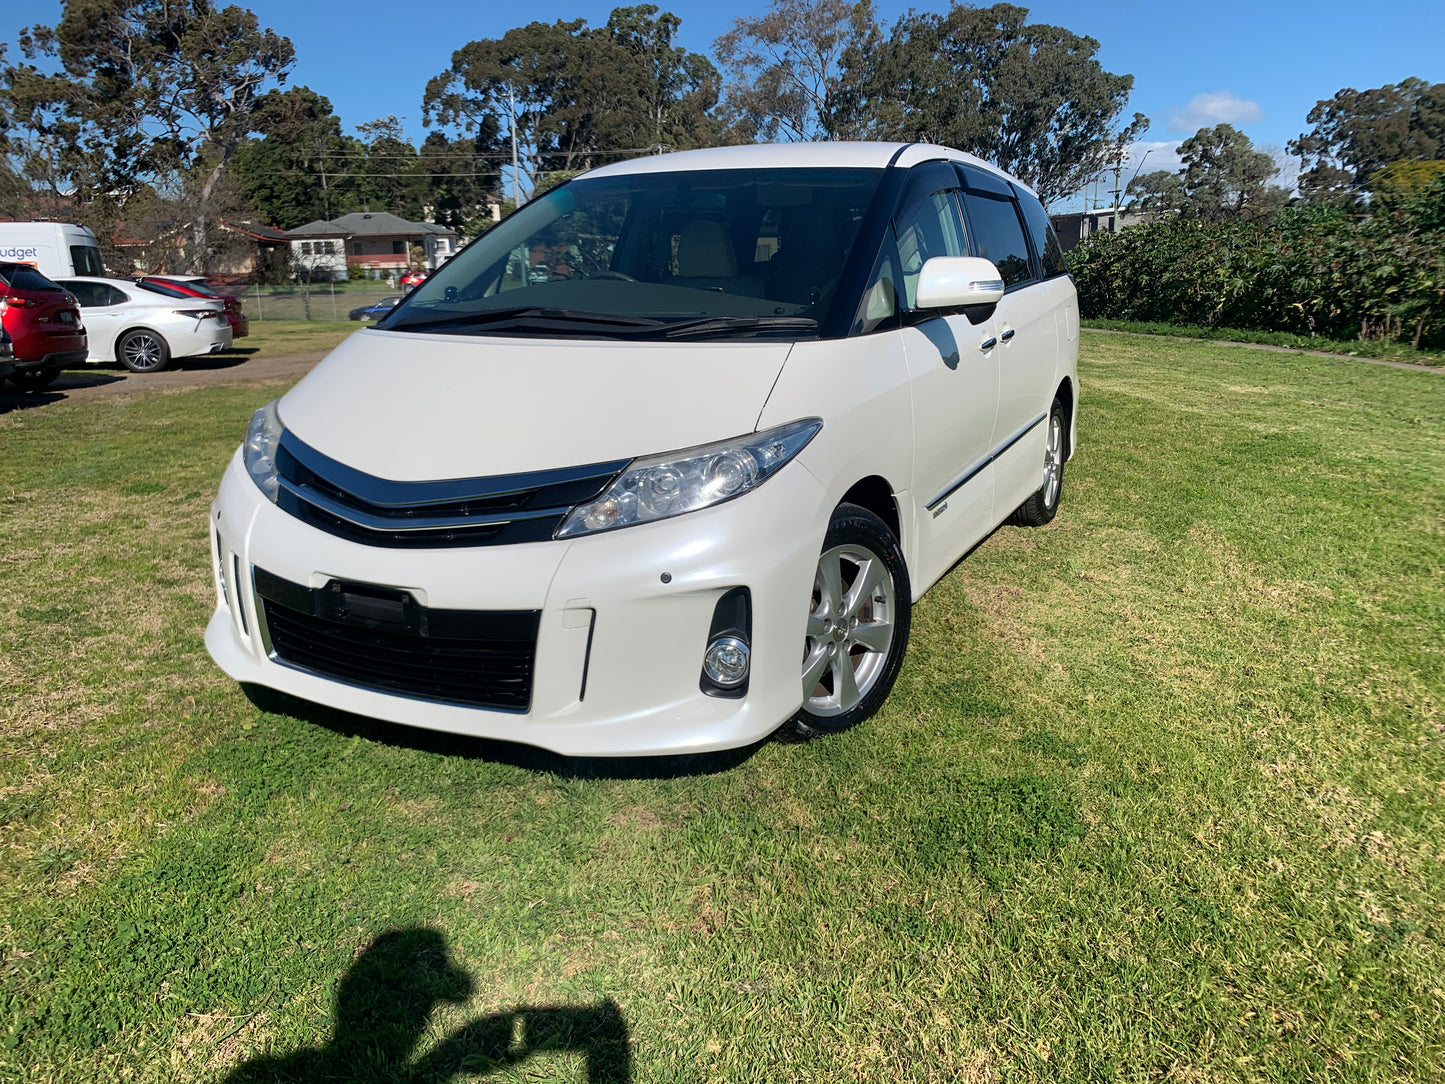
[1391,351]
[1158,795]
[276,337]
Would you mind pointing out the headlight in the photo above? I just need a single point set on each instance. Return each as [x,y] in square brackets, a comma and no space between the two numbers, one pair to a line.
[669,485]
[263,437]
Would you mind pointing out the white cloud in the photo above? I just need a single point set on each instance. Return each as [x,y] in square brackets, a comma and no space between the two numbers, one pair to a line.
[1150,155]
[1207,110]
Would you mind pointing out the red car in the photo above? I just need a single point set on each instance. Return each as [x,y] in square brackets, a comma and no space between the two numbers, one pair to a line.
[240,325]
[43,322]
[413,278]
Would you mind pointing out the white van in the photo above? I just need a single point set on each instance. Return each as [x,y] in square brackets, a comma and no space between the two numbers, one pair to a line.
[55,249]
[660,463]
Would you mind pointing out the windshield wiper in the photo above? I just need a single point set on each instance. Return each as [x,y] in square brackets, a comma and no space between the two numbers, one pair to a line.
[733,325]
[535,318]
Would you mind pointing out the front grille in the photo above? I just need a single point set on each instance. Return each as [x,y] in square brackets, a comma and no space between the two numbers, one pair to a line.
[381,638]
[491,511]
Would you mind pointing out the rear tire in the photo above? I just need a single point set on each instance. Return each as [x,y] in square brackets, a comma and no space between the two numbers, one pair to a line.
[1043,504]
[858,621]
[143,351]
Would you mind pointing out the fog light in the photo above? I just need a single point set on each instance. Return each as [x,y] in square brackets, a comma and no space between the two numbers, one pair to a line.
[726,661]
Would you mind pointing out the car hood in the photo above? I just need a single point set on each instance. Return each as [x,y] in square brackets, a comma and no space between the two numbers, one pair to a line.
[416,407]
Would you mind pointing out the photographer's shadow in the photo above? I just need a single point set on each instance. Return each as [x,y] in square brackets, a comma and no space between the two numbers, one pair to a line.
[382,1008]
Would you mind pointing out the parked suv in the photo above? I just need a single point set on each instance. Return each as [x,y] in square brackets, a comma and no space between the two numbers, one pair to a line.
[660,463]
[44,325]
[7,356]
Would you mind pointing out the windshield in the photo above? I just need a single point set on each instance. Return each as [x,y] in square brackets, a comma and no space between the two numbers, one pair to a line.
[715,253]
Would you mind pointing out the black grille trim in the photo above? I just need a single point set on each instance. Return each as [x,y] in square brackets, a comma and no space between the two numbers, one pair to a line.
[497,510]
[380,638]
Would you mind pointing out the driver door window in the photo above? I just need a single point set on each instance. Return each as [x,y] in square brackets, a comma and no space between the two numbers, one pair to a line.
[931,227]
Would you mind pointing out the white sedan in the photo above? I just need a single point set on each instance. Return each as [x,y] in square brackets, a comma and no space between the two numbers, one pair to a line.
[144,326]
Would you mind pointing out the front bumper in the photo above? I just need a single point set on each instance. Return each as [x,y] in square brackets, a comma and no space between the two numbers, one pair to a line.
[606,616]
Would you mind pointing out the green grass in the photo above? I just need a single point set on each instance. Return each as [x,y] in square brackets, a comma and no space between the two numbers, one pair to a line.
[1392,351]
[275,337]
[1158,794]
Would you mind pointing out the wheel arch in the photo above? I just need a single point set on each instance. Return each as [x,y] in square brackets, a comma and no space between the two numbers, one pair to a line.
[875,494]
[1065,394]
[120,335]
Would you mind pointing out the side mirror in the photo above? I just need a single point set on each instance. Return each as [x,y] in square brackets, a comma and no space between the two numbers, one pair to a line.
[957,282]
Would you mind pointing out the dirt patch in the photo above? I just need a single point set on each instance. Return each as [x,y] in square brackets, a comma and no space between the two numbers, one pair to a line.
[114,382]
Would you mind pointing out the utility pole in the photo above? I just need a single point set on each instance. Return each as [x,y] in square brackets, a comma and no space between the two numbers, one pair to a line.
[516,179]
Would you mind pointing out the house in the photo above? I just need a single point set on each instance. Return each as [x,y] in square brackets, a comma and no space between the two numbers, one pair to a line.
[1074,226]
[376,241]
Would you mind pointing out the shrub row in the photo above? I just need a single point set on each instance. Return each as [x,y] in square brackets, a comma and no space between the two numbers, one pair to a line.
[1309,270]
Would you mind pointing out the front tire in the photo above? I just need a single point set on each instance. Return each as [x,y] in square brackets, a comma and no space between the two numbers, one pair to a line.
[1043,504]
[143,351]
[858,621]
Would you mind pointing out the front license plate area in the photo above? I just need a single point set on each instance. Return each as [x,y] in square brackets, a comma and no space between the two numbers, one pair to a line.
[366,605]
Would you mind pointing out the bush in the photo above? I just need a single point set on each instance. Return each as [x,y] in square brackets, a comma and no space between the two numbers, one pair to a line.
[1308,270]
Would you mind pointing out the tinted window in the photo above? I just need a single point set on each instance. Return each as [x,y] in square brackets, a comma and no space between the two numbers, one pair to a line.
[998,235]
[1041,233]
[879,306]
[931,227]
[20,277]
[84,292]
[86,259]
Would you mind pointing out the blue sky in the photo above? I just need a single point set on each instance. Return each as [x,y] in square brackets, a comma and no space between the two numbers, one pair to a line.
[1259,65]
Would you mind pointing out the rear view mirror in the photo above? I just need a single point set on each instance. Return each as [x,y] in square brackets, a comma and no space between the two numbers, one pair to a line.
[956,282]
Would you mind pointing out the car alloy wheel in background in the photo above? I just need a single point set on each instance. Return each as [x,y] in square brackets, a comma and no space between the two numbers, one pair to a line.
[144,352]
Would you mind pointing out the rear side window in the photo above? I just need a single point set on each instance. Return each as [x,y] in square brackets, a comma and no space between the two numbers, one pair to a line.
[1041,233]
[86,259]
[998,235]
[26,278]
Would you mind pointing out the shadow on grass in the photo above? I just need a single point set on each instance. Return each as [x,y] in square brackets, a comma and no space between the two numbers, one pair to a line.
[514,753]
[385,999]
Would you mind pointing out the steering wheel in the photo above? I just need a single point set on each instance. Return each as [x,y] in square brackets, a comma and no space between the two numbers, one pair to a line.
[623,275]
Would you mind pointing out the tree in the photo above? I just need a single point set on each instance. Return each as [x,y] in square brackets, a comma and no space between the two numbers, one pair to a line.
[1156,192]
[1030,98]
[156,91]
[1359,132]
[787,70]
[301,170]
[1223,176]
[571,95]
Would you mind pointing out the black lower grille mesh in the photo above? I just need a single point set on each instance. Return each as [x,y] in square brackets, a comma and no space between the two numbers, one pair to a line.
[477,658]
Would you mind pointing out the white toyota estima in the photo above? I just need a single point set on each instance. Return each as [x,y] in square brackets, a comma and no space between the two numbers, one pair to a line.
[659,463]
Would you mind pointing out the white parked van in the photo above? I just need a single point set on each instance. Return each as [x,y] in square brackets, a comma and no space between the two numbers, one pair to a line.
[660,463]
[56,249]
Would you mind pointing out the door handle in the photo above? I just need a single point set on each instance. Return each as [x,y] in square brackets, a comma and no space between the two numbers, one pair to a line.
[1007,335]
[988,344]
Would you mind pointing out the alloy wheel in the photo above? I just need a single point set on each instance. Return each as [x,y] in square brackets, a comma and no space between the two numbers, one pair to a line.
[850,629]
